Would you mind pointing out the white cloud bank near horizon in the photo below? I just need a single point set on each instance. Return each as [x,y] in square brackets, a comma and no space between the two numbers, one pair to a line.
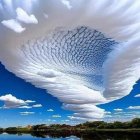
[38,55]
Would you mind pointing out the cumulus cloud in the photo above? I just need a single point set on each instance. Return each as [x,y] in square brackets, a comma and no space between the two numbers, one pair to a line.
[24,17]
[37,105]
[138,95]
[11,101]
[50,110]
[27,113]
[67,3]
[56,116]
[52,58]
[134,107]
[13,25]
[118,109]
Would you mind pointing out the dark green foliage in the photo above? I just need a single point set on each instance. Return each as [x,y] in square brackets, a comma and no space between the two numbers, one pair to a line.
[87,127]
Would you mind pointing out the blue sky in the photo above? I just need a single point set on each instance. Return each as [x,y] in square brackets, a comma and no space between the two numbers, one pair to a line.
[10,84]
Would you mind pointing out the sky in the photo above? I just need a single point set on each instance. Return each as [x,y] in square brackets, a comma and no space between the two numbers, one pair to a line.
[66,61]
[51,111]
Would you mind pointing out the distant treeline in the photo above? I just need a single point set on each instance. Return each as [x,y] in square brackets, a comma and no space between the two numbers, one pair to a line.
[96,125]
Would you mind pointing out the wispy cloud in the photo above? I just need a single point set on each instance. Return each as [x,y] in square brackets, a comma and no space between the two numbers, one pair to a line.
[118,109]
[134,107]
[27,113]
[30,101]
[56,116]
[26,107]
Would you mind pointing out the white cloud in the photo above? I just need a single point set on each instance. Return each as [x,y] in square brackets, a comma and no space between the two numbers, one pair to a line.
[138,95]
[118,109]
[30,101]
[13,25]
[50,110]
[119,71]
[37,105]
[67,3]
[26,107]
[24,17]
[85,110]
[56,116]
[107,112]
[134,107]
[11,102]
[27,113]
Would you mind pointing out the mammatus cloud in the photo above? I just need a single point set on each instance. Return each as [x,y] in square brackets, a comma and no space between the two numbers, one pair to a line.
[89,58]
[13,25]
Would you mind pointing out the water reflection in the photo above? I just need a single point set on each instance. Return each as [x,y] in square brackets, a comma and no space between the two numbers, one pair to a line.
[94,136]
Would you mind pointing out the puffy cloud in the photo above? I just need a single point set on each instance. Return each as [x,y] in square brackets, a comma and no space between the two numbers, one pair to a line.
[50,110]
[24,17]
[56,116]
[134,107]
[138,95]
[118,109]
[13,25]
[67,3]
[37,105]
[11,101]
[27,113]
[80,77]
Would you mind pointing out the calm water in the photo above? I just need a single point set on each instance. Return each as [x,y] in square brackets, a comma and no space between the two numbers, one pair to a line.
[29,137]
[85,137]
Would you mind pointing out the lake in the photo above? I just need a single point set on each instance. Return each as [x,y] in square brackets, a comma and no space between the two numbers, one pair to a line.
[116,136]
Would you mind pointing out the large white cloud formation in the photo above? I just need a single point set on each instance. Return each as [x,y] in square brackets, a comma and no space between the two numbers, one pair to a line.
[85,55]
